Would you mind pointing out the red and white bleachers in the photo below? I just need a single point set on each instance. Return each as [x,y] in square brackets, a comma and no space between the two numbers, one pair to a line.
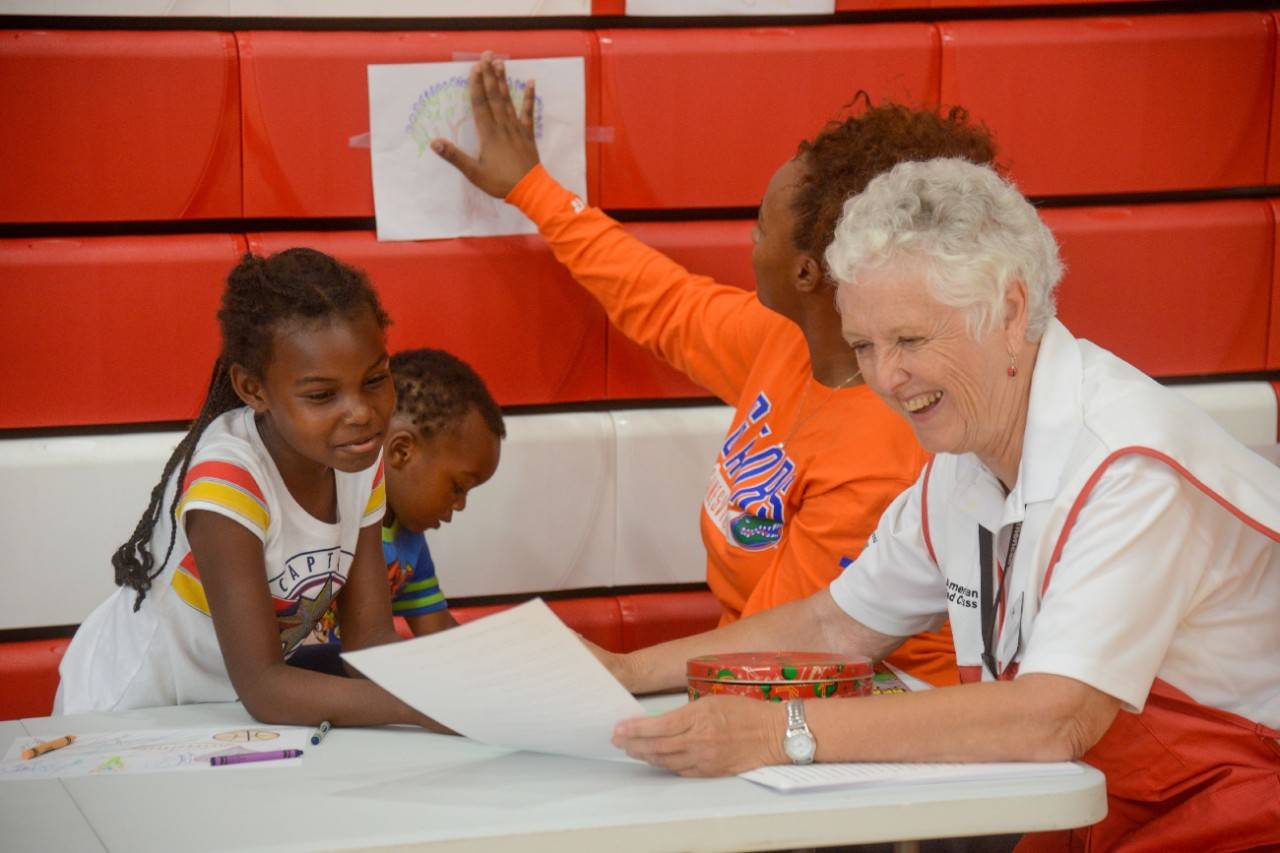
[140,137]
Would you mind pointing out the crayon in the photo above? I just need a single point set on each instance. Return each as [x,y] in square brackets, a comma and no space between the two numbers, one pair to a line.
[246,757]
[318,734]
[48,746]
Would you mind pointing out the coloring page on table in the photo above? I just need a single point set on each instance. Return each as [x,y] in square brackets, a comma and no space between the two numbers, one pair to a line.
[160,750]
[417,195]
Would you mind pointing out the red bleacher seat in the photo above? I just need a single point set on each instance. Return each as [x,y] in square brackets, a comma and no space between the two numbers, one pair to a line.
[1273,148]
[595,618]
[1175,289]
[505,305]
[703,117]
[721,250]
[118,126]
[650,618]
[109,330]
[29,675]
[1123,104]
[306,95]
[628,622]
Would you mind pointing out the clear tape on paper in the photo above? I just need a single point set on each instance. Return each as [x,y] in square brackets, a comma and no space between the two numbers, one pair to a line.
[474,56]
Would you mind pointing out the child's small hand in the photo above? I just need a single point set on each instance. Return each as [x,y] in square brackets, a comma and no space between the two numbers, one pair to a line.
[507,147]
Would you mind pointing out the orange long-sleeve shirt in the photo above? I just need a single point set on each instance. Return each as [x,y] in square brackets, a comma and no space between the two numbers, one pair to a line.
[805,470]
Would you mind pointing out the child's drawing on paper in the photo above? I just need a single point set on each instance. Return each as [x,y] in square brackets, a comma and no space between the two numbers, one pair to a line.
[418,196]
[443,110]
[121,752]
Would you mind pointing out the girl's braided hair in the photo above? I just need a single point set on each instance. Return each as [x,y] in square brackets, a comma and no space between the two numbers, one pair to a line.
[262,293]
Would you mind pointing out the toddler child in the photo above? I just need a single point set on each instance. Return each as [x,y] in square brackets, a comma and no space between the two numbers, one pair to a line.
[444,440]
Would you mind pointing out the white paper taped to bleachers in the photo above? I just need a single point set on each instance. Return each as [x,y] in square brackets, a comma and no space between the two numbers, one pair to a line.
[300,8]
[583,500]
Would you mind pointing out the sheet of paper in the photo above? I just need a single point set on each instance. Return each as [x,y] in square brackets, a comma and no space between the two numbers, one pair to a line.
[518,679]
[155,751]
[819,776]
[418,196]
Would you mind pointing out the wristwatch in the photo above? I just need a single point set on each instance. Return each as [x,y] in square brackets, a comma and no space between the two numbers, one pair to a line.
[798,743]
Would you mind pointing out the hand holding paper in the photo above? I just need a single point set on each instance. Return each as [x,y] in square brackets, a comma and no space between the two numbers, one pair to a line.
[518,679]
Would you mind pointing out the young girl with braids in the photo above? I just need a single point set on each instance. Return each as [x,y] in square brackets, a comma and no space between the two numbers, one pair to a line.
[444,439]
[269,507]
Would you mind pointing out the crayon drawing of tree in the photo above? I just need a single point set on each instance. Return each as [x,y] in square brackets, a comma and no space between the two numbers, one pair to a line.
[443,110]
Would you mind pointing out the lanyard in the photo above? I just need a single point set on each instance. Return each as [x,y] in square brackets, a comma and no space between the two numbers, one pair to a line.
[986,596]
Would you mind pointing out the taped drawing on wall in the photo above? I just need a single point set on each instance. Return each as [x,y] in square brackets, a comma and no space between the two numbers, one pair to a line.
[419,196]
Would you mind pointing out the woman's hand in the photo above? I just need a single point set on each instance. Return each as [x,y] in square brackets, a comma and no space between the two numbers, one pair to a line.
[714,736]
[507,147]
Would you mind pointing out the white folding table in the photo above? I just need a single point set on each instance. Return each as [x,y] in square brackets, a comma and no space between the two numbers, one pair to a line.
[403,788]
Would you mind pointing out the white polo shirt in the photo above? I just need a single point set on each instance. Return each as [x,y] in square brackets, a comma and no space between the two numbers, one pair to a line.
[1155,577]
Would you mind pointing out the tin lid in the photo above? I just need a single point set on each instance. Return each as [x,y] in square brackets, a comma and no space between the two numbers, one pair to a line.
[778,666]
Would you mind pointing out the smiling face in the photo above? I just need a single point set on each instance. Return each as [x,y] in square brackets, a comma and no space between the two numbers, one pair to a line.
[918,356]
[325,396]
[428,478]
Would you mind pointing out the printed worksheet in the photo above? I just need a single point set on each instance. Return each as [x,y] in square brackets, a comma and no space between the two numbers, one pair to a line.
[156,751]
[417,195]
[518,679]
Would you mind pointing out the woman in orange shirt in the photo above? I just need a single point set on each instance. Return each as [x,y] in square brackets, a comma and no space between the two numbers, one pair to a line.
[812,457]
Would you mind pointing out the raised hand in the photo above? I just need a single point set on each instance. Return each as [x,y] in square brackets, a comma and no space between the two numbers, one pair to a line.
[507,147]
[714,736]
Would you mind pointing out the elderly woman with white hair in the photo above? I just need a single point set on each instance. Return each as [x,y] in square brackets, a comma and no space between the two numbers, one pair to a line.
[1107,554]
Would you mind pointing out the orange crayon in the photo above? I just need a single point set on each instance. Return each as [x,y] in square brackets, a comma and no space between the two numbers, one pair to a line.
[48,746]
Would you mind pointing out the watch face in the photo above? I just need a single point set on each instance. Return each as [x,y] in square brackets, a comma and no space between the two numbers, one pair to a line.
[799,747]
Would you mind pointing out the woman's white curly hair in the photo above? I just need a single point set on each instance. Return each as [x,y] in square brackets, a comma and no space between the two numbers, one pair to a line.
[961,226]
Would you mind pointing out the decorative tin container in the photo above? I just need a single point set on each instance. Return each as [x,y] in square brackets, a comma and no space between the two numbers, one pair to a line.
[779,676]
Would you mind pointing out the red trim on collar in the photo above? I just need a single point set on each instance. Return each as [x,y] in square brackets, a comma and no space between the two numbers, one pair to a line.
[1161,457]
[924,511]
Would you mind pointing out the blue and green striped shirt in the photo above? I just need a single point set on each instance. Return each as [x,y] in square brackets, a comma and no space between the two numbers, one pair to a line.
[415,590]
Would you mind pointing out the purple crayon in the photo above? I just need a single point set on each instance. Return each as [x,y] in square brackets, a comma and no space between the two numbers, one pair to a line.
[246,757]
